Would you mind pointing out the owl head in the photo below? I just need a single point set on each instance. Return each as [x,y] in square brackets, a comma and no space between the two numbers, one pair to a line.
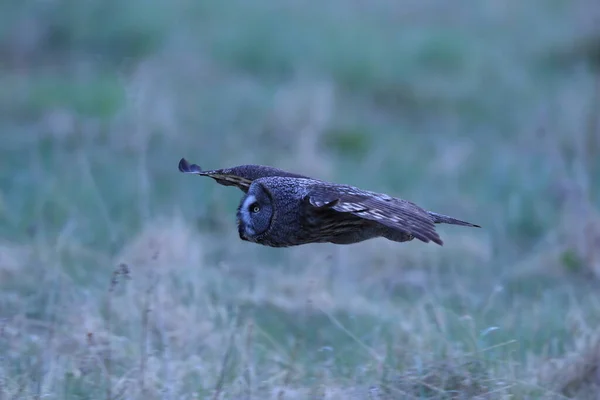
[270,211]
[255,213]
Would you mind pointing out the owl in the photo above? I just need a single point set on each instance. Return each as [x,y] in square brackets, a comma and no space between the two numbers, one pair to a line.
[283,209]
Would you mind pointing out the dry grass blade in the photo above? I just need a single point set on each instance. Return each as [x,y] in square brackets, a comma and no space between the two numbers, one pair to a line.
[224,365]
[289,369]
[121,271]
[144,340]
[339,325]
[249,370]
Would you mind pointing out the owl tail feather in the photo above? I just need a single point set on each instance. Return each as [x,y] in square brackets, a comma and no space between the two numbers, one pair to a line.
[444,219]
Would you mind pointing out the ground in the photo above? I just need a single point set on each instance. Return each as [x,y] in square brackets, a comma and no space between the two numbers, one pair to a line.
[121,278]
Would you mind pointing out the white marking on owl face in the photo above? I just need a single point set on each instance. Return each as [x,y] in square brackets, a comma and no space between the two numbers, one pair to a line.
[245,216]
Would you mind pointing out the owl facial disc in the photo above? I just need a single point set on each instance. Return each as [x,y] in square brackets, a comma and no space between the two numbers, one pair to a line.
[245,217]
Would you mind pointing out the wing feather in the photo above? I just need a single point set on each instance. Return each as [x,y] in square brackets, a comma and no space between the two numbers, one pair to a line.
[241,176]
[392,212]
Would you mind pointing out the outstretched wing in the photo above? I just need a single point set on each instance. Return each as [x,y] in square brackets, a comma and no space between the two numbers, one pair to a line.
[240,176]
[392,212]
[223,176]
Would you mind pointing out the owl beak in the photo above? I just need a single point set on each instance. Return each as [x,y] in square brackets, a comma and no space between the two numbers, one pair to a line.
[241,231]
[243,237]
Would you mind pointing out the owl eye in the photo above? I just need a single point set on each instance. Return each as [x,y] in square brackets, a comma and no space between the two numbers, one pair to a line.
[254,207]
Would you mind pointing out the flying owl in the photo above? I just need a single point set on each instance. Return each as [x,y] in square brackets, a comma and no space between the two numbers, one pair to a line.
[283,209]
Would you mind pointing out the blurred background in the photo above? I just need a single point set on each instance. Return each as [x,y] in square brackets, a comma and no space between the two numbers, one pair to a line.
[121,278]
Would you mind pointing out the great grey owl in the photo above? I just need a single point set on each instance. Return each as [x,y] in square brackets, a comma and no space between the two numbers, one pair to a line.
[282,209]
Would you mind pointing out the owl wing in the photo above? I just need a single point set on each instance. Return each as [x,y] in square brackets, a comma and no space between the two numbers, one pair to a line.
[392,212]
[241,176]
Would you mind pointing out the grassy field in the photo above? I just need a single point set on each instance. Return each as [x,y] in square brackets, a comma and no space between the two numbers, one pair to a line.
[121,278]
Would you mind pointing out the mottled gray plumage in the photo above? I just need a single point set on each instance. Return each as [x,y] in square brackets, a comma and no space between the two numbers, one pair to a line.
[282,209]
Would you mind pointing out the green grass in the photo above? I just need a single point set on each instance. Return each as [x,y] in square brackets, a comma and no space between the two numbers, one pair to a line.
[483,111]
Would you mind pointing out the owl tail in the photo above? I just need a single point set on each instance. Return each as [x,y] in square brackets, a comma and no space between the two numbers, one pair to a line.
[444,219]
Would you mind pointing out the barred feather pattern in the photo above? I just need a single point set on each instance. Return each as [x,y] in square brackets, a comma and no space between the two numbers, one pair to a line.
[241,176]
[282,209]
[398,214]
